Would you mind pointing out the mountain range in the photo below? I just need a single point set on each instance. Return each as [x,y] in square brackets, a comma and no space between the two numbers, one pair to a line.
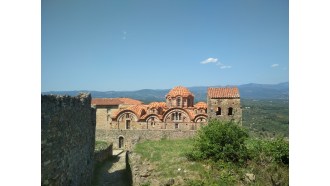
[247,91]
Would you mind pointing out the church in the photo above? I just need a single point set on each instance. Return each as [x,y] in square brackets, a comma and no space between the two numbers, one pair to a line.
[177,112]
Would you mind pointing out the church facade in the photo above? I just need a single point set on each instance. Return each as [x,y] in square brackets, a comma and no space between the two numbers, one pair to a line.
[177,112]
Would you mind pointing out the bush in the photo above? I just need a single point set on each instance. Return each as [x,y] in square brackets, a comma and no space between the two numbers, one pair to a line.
[267,151]
[220,141]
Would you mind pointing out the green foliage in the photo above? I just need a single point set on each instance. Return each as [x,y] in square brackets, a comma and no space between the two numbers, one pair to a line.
[266,118]
[100,145]
[172,155]
[220,141]
[267,151]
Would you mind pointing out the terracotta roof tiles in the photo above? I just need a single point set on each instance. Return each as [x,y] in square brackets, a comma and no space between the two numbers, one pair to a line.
[115,101]
[200,105]
[227,92]
[157,105]
[179,91]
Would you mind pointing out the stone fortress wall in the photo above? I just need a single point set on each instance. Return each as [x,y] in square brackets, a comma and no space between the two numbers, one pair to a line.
[67,140]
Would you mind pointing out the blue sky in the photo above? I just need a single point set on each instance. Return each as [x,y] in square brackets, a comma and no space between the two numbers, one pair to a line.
[129,45]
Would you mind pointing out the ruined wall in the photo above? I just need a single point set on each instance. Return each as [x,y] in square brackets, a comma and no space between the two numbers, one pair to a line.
[103,154]
[67,140]
[131,137]
[225,104]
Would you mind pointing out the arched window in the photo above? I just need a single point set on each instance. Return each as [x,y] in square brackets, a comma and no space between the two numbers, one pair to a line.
[178,102]
[218,111]
[121,142]
[230,111]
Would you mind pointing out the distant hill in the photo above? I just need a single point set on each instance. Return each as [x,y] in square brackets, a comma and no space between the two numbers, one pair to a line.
[247,91]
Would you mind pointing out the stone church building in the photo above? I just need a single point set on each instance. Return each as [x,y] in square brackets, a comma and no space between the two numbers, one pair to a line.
[178,112]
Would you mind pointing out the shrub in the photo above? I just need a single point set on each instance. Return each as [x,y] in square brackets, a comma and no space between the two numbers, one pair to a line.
[266,151]
[220,141]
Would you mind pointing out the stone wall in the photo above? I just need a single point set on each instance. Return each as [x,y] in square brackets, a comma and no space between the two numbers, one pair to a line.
[103,154]
[67,140]
[225,104]
[131,137]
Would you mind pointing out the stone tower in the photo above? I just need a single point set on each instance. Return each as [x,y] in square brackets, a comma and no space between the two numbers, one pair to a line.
[224,104]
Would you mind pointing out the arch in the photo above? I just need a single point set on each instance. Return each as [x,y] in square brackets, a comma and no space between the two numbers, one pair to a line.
[200,118]
[123,114]
[168,114]
[121,142]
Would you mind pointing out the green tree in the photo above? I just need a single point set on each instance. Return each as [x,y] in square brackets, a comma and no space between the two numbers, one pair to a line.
[220,141]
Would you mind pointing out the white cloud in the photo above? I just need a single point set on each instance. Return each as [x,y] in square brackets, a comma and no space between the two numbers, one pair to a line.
[222,66]
[215,60]
[274,65]
[225,66]
[209,60]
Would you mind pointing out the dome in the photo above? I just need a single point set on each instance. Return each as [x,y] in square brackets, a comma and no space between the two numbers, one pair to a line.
[179,91]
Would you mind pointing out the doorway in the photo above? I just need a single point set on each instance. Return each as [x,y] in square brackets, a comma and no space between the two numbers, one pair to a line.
[121,142]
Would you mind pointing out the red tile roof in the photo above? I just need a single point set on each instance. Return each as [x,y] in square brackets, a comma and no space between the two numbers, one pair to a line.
[200,105]
[157,105]
[115,101]
[227,92]
[179,91]
[139,110]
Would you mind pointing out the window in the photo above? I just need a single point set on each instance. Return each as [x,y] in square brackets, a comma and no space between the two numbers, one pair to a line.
[176,126]
[172,116]
[219,111]
[230,111]
[127,115]
[178,102]
[128,124]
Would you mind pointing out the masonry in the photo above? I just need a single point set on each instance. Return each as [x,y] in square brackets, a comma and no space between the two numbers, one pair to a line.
[125,121]
[67,140]
[126,139]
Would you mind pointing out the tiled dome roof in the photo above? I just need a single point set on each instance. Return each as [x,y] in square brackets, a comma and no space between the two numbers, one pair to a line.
[200,105]
[179,91]
[157,105]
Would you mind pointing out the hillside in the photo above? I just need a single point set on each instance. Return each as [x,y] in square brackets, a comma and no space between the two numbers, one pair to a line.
[247,91]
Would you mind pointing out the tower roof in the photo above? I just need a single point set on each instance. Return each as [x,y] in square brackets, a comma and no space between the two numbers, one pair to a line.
[179,91]
[227,92]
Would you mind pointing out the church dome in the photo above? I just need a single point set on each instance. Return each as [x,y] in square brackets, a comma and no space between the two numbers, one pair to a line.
[179,91]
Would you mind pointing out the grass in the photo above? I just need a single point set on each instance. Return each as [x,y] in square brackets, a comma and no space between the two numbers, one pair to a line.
[169,160]
[100,145]
[169,157]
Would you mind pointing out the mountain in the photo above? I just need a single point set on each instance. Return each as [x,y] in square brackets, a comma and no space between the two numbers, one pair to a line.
[247,91]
